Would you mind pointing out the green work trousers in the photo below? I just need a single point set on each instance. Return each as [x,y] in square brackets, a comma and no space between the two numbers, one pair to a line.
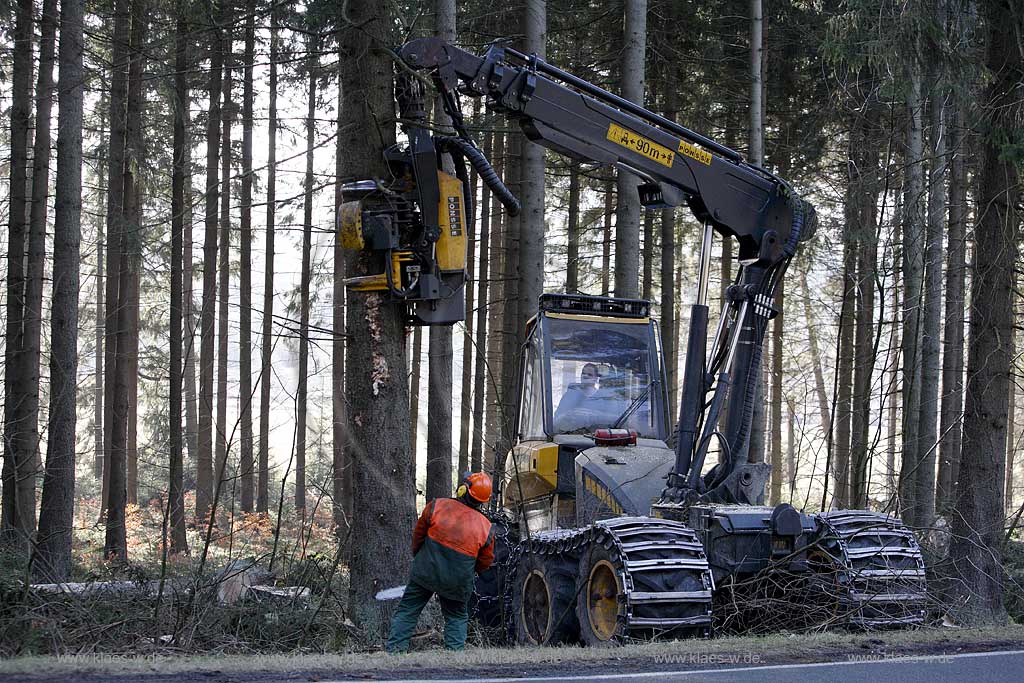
[403,624]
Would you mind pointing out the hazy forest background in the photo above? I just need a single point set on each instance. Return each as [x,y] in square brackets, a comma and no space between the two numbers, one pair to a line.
[185,385]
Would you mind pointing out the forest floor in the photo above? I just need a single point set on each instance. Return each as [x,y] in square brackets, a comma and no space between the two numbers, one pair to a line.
[477,662]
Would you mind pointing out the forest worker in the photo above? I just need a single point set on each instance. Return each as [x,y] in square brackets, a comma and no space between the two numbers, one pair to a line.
[451,544]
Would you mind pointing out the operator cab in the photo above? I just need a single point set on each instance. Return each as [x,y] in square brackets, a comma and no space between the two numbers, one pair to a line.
[589,363]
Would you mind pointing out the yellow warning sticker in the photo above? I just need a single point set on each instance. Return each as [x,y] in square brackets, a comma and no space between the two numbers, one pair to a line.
[641,145]
[696,153]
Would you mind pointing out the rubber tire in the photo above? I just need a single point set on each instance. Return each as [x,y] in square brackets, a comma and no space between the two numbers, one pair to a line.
[592,556]
[562,627]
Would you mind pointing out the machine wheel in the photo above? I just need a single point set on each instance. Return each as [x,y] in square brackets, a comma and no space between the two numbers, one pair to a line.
[601,604]
[543,604]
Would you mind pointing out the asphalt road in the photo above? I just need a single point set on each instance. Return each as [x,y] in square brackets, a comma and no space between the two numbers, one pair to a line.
[987,667]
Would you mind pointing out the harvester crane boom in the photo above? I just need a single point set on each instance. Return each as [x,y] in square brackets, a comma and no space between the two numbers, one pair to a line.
[727,194]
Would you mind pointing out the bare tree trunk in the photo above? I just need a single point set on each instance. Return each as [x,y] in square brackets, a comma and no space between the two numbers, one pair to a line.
[755,451]
[627,214]
[245,271]
[415,372]
[176,504]
[913,278]
[776,401]
[495,312]
[376,384]
[115,224]
[134,160]
[97,399]
[606,239]
[844,366]
[1011,424]
[29,351]
[16,527]
[222,470]
[263,475]
[977,531]
[342,471]
[204,461]
[866,157]
[56,515]
[668,264]
[648,275]
[313,46]
[485,272]
[572,259]
[820,392]
[924,497]
[791,464]
[466,402]
[950,424]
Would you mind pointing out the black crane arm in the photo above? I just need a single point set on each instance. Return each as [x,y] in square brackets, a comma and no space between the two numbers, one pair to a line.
[576,118]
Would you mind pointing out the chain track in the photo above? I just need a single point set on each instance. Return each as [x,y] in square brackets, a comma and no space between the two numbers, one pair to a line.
[664,572]
[879,568]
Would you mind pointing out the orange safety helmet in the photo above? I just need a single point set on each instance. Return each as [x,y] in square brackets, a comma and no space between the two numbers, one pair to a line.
[477,485]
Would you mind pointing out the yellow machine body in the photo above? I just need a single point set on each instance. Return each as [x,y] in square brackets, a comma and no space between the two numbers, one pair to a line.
[452,244]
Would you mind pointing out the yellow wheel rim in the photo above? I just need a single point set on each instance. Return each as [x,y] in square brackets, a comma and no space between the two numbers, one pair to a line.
[602,599]
[535,612]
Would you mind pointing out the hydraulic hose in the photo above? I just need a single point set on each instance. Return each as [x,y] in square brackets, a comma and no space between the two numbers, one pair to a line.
[486,172]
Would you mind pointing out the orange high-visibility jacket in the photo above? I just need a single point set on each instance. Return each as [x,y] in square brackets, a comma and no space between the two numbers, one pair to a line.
[452,542]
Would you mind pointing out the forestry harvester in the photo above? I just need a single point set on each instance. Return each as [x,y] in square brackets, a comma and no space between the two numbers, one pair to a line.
[612,525]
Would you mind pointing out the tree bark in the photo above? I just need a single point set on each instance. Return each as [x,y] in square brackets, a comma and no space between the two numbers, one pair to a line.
[176,503]
[56,515]
[977,531]
[223,472]
[572,257]
[924,495]
[204,462]
[627,214]
[313,47]
[484,273]
[115,224]
[606,239]
[466,401]
[913,281]
[245,349]
[495,312]
[263,474]
[1011,426]
[376,384]
[775,450]
[16,527]
[415,372]
[341,489]
[950,424]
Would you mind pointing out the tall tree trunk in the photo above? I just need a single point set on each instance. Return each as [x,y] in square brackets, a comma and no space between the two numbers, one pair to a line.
[27,400]
[341,489]
[245,271]
[376,385]
[98,435]
[495,311]
[776,402]
[466,402]
[176,504]
[313,47]
[977,530]
[648,274]
[756,132]
[820,391]
[950,425]
[1011,426]
[415,373]
[913,281]
[222,470]
[204,461]
[627,214]
[606,238]
[263,475]
[134,161]
[484,273]
[924,496]
[844,365]
[866,156]
[668,283]
[115,224]
[56,515]
[439,371]
[572,259]
[16,527]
